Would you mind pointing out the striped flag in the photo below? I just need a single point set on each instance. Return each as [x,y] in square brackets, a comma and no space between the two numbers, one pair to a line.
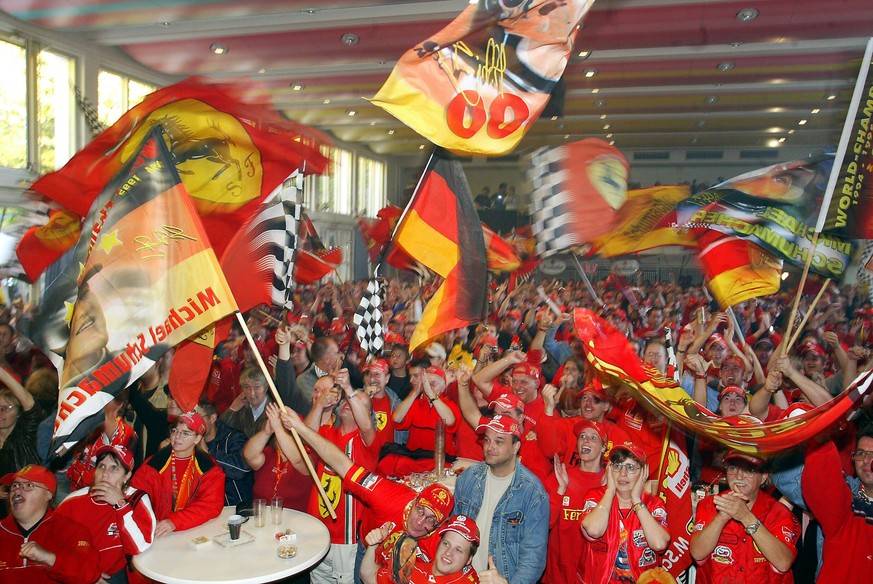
[368,318]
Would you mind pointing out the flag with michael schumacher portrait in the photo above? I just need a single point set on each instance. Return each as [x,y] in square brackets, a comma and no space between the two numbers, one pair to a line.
[142,278]
[478,84]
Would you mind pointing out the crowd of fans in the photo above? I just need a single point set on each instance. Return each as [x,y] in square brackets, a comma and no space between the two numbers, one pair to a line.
[553,467]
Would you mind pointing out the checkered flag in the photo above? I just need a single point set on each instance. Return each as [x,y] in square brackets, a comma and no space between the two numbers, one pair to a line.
[89,110]
[552,219]
[865,270]
[368,318]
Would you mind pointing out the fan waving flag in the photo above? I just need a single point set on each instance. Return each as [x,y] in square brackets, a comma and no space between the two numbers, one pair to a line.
[142,278]
[231,155]
[314,260]
[478,84]
[442,231]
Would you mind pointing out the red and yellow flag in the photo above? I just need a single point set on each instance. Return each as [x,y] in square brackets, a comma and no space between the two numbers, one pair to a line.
[610,353]
[737,269]
[478,84]
[231,155]
[500,255]
[442,231]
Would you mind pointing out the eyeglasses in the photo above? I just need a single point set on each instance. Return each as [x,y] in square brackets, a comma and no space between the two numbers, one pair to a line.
[734,469]
[7,408]
[862,454]
[182,433]
[628,467]
[26,487]
[429,520]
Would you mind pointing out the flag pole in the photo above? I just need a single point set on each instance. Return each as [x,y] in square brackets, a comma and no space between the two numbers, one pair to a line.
[842,147]
[278,398]
[806,316]
[587,282]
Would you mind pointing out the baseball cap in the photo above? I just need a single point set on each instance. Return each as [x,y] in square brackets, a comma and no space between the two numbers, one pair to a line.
[377,364]
[436,350]
[35,474]
[631,449]
[735,389]
[739,456]
[584,424]
[124,456]
[508,401]
[463,525]
[763,341]
[716,338]
[595,387]
[194,421]
[814,347]
[527,368]
[438,499]
[500,424]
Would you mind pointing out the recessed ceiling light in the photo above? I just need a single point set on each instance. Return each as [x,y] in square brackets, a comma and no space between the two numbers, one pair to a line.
[773,143]
[595,90]
[612,142]
[701,123]
[725,66]
[351,112]
[736,44]
[421,146]
[832,97]
[602,116]
[350,38]
[801,123]
[326,101]
[584,54]
[609,135]
[589,73]
[711,99]
[566,136]
[373,123]
[791,131]
[308,10]
[165,23]
[600,102]
[553,118]
[218,48]
[782,139]
[605,126]
[747,14]
[262,71]
[815,111]
[297,87]
[390,132]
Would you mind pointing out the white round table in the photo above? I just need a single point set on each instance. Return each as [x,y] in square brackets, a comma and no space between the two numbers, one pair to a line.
[173,560]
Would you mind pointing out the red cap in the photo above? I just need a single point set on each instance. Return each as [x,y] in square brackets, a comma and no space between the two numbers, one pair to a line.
[463,525]
[501,425]
[337,327]
[716,338]
[735,389]
[35,474]
[377,364]
[508,401]
[595,387]
[584,424]
[395,339]
[124,456]
[438,499]
[631,449]
[194,421]
[735,359]
[734,455]
[516,314]
[489,340]
[814,347]
[436,371]
[528,369]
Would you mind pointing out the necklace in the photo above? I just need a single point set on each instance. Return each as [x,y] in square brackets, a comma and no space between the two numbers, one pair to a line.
[280,468]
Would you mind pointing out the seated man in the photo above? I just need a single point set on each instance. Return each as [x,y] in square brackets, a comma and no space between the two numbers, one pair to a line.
[120,518]
[186,485]
[459,540]
[38,545]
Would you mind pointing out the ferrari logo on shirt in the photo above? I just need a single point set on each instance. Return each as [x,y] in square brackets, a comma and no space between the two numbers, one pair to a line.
[333,488]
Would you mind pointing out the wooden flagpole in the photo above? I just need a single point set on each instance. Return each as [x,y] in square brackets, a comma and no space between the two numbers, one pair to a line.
[806,316]
[278,398]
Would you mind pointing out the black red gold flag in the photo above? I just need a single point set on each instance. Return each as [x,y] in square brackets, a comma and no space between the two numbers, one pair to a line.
[441,230]
[142,278]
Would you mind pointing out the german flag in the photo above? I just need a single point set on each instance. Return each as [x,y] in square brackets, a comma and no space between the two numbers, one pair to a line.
[440,222]
[737,269]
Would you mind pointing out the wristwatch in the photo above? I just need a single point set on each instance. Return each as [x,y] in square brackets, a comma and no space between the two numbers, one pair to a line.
[751,529]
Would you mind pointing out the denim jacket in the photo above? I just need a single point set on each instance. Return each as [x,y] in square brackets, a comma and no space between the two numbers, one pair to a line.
[520,526]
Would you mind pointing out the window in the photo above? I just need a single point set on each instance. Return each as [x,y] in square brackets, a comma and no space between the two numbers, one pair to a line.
[116,94]
[371,186]
[13,106]
[56,109]
[334,192]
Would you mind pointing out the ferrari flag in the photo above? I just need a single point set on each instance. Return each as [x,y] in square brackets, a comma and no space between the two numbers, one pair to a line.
[442,231]
[611,354]
[142,278]
[477,85]
[231,156]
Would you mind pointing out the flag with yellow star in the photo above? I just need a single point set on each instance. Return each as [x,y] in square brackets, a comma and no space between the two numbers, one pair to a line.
[142,277]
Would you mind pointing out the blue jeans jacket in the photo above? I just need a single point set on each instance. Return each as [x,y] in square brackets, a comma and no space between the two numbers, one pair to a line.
[520,526]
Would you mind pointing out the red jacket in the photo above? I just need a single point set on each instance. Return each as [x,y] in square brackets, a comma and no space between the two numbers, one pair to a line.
[116,533]
[77,559]
[207,497]
[598,557]
[848,538]
[736,555]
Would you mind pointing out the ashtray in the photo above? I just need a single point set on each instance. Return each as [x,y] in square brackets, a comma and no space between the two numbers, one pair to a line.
[286,551]
[224,540]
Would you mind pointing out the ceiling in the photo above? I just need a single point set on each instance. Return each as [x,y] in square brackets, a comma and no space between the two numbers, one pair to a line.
[659,81]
